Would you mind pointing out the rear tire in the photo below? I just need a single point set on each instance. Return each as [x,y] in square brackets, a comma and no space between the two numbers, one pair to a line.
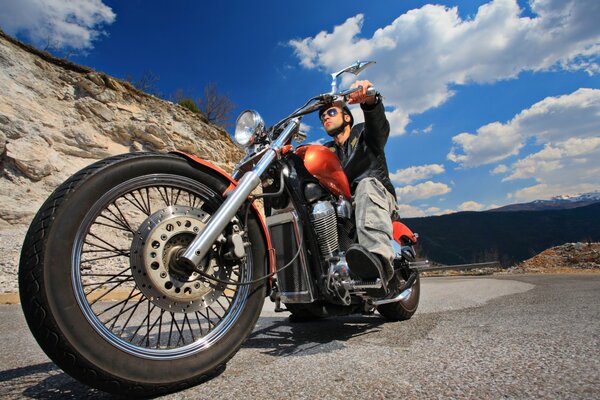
[137,343]
[403,309]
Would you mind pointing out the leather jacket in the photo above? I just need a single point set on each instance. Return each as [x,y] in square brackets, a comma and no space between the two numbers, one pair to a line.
[362,155]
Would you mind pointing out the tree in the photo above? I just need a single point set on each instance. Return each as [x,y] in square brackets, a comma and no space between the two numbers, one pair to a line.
[186,101]
[216,107]
[146,83]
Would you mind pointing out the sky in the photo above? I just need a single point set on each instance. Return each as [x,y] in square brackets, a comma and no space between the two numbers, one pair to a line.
[490,102]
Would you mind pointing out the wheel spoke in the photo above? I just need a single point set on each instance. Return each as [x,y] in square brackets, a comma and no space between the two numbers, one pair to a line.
[140,301]
[119,221]
[121,281]
[138,203]
[113,276]
[105,293]
[147,307]
[164,195]
[110,248]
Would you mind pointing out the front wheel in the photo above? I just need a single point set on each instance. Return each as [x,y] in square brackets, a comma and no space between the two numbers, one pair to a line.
[102,291]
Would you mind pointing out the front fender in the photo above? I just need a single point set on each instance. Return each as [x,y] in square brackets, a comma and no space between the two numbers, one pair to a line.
[221,174]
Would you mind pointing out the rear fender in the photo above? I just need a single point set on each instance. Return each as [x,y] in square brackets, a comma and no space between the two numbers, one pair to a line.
[225,177]
[403,235]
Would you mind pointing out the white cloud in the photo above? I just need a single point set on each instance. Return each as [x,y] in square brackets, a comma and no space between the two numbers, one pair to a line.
[409,211]
[428,128]
[58,23]
[554,118]
[414,174]
[398,120]
[568,129]
[573,152]
[567,116]
[570,166]
[470,206]
[424,51]
[305,128]
[547,191]
[425,190]
[491,143]
[500,169]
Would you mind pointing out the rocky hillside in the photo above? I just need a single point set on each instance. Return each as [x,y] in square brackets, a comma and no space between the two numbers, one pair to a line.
[57,117]
[570,257]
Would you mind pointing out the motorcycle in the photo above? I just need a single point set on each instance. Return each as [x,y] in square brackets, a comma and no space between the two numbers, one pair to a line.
[144,273]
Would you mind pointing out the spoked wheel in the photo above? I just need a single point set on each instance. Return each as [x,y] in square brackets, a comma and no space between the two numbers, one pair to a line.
[127,316]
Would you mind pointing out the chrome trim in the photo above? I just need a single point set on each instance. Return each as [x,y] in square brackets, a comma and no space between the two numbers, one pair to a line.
[401,297]
[230,319]
[343,208]
[361,285]
[200,246]
[322,209]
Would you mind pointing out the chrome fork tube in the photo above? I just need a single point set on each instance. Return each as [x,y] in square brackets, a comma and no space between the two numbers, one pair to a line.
[200,246]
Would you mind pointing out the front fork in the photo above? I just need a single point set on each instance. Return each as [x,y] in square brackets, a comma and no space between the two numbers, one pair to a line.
[201,245]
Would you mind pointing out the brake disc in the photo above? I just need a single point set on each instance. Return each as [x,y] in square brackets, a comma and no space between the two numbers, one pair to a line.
[156,245]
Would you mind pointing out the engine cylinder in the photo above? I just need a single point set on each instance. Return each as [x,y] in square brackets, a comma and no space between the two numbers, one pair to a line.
[324,220]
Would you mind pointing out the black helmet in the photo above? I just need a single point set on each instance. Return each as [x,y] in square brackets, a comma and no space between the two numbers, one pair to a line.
[345,110]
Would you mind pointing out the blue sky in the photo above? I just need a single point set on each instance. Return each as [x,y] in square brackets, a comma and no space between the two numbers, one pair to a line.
[490,102]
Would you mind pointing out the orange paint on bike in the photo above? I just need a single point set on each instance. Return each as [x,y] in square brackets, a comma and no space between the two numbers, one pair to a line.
[324,165]
[401,230]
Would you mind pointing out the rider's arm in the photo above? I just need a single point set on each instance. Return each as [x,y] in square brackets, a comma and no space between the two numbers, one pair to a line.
[377,127]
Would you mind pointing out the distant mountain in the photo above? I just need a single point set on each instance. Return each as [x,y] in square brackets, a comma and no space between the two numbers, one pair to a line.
[508,237]
[555,203]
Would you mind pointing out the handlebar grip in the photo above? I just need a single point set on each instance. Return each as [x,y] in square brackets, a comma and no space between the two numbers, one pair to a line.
[372,92]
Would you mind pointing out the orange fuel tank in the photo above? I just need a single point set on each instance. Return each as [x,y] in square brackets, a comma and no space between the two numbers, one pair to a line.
[324,165]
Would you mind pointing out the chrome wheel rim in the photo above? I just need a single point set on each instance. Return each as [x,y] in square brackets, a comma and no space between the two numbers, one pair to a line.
[142,310]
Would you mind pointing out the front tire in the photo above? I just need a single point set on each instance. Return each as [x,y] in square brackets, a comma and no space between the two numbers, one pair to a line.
[101,294]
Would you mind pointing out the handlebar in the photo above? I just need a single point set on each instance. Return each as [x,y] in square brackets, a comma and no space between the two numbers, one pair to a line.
[371,91]
[319,101]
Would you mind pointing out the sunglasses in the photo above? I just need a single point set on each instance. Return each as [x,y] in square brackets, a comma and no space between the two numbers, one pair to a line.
[332,112]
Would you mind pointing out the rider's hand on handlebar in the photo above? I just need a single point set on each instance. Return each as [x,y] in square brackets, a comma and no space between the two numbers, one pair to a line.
[360,96]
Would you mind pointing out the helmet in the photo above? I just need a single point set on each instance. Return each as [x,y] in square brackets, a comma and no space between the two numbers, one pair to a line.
[344,107]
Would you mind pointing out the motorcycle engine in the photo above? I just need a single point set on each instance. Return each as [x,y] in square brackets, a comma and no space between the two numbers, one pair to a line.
[324,220]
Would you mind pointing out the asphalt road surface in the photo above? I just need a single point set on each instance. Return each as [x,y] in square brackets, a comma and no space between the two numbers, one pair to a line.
[514,337]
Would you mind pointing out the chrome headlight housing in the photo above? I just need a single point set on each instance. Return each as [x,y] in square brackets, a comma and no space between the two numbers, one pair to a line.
[248,127]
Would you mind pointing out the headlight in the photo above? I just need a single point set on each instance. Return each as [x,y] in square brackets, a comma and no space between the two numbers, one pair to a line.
[248,125]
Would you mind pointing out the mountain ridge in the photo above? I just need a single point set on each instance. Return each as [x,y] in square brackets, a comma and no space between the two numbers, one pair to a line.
[556,202]
[508,237]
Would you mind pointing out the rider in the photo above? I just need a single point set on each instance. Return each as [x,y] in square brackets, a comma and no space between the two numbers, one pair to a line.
[360,149]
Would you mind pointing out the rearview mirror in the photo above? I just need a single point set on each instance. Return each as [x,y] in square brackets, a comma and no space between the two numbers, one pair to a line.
[355,69]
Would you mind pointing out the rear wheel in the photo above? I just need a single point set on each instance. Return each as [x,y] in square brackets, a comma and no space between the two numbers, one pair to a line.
[102,291]
[407,306]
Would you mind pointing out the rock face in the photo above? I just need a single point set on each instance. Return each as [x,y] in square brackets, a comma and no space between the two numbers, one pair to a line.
[57,117]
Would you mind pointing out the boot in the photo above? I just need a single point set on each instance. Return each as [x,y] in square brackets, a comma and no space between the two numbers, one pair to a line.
[366,265]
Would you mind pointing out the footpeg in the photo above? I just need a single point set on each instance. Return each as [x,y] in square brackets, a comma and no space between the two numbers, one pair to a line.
[363,285]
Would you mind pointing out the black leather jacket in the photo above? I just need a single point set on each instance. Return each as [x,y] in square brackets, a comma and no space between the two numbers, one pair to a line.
[363,155]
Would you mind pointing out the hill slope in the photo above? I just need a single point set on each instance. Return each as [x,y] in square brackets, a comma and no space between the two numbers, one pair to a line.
[508,237]
[57,117]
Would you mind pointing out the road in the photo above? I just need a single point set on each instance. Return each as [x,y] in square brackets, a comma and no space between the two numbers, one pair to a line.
[515,337]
